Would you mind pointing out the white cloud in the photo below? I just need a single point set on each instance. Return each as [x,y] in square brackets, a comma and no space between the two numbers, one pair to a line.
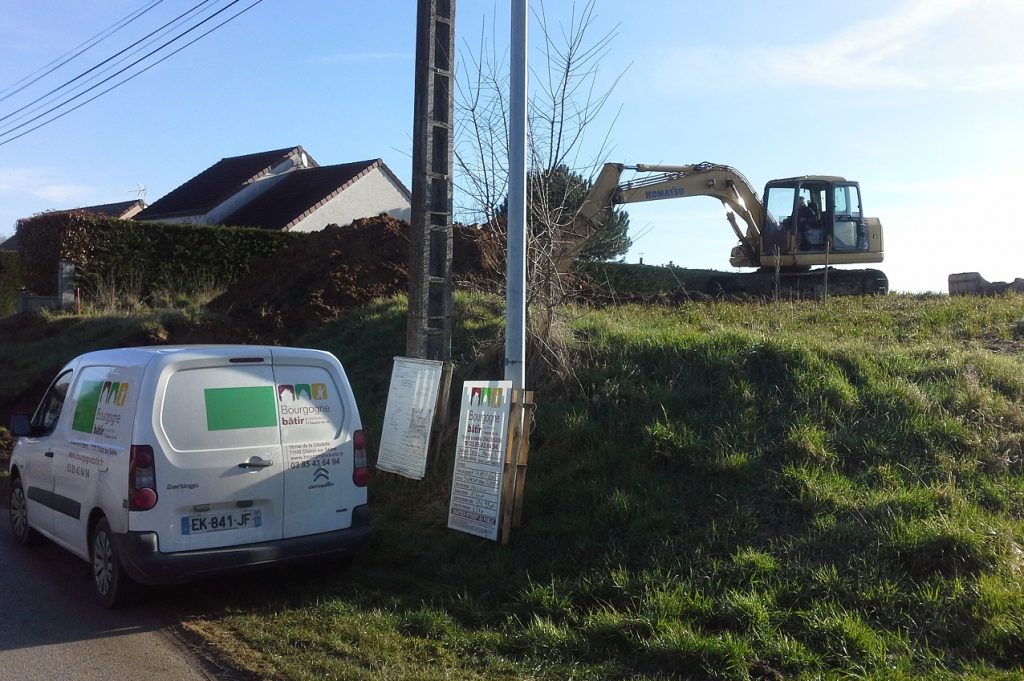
[953,45]
[63,192]
[26,191]
[39,183]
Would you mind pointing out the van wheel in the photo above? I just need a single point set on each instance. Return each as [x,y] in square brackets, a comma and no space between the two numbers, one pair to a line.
[23,533]
[108,575]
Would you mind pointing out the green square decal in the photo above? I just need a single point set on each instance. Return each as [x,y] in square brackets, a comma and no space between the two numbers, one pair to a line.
[85,410]
[236,408]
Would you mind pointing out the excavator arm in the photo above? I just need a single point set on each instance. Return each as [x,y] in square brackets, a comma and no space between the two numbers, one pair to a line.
[670,182]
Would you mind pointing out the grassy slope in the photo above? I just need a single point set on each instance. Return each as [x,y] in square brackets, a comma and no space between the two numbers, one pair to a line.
[741,491]
[34,347]
[732,491]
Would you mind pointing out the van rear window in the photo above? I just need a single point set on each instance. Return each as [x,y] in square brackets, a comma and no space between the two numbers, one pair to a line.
[224,407]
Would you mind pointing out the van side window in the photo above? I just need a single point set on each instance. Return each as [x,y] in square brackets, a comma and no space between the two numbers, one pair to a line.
[48,411]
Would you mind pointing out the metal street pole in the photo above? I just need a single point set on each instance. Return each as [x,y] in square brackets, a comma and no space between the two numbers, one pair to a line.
[515,287]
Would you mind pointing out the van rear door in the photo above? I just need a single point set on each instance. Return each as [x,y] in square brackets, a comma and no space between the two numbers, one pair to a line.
[219,475]
[318,417]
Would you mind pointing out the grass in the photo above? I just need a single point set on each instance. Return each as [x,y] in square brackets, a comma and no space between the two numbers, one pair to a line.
[734,491]
[727,491]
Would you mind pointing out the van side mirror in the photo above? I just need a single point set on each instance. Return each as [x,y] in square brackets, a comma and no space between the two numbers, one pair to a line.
[21,424]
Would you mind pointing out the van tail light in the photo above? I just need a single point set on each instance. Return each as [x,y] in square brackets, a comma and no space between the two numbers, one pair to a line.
[141,478]
[360,471]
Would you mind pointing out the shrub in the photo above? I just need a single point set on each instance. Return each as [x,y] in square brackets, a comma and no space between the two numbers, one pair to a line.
[10,282]
[111,253]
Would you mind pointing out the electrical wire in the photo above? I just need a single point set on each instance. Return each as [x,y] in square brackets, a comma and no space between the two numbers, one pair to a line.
[117,54]
[68,56]
[56,94]
[67,101]
[134,75]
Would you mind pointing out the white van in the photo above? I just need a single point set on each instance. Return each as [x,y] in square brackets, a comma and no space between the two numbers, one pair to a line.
[164,464]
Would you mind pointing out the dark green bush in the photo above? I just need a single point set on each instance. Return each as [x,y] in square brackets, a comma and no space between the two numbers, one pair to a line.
[147,257]
[10,282]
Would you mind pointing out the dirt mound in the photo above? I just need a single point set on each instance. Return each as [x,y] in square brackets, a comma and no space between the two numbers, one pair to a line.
[317,278]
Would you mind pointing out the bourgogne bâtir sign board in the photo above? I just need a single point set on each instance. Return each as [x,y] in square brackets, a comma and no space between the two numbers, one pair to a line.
[480,458]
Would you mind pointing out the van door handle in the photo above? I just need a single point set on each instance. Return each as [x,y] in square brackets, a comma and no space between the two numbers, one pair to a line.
[48,455]
[255,462]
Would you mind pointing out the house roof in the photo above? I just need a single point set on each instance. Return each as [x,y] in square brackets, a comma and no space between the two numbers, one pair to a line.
[218,182]
[302,192]
[114,210]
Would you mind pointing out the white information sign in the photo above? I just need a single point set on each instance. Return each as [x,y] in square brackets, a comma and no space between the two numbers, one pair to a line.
[480,458]
[408,417]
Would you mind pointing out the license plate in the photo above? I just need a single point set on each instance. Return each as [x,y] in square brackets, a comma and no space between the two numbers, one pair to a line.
[218,522]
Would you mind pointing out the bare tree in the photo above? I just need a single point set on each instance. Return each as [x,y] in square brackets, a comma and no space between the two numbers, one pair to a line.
[565,102]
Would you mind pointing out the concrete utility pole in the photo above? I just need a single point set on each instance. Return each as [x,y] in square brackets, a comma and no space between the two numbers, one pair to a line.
[515,286]
[429,330]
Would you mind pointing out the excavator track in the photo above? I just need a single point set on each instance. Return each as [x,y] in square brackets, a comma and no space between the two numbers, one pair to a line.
[817,283]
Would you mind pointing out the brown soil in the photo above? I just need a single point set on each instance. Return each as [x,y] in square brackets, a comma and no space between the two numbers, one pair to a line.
[317,278]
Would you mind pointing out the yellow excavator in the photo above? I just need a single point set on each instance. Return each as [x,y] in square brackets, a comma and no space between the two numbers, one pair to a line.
[803,222]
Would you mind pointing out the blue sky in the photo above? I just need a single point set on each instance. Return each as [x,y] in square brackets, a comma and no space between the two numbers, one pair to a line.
[919,100]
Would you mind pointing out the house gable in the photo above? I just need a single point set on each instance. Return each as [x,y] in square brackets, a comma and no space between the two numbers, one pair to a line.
[299,201]
[372,193]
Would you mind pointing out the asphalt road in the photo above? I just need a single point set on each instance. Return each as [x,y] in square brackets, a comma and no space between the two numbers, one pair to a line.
[50,627]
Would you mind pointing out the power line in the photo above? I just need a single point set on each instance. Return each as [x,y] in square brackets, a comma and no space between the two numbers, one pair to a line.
[67,101]
[56,93]
[85,46]
[134,75]
[90,70]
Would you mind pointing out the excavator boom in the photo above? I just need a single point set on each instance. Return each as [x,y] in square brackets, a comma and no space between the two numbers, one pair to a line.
[672,182]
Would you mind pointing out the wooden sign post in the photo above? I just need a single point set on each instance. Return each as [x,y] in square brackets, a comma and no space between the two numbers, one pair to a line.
[520,425]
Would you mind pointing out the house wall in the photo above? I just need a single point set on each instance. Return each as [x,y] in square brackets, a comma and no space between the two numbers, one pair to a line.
[370,195]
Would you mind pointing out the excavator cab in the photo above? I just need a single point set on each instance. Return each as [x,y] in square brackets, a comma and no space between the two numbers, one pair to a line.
[817,220]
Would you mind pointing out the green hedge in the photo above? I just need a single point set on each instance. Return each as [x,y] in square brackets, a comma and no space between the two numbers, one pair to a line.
[10,282]
[147,257]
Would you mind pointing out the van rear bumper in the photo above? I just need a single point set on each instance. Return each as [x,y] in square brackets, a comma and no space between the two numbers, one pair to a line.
[142,560]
